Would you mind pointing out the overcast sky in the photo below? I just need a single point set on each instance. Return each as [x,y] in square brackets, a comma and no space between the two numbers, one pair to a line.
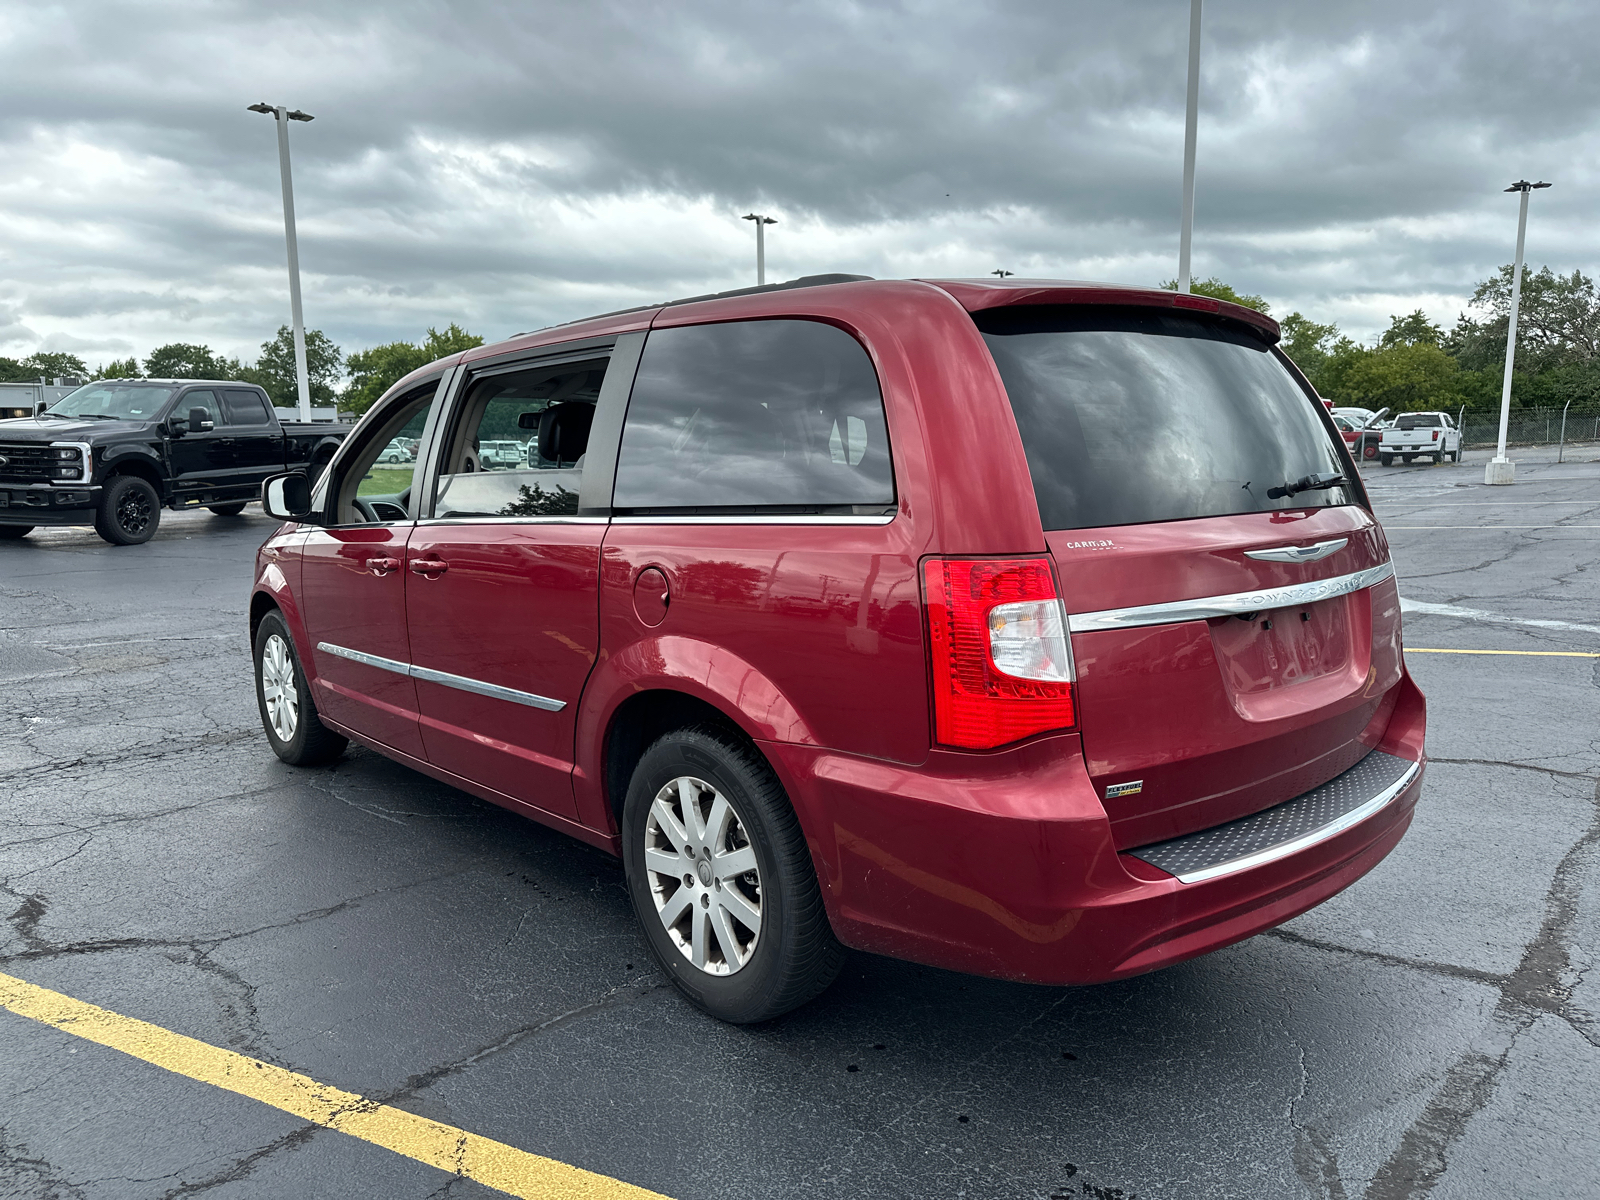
[511,166]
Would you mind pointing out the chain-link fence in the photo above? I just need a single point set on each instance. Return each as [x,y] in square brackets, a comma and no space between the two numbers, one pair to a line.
[1531,427]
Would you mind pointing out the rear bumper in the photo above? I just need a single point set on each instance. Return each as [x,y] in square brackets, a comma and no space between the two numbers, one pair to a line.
[1003,864]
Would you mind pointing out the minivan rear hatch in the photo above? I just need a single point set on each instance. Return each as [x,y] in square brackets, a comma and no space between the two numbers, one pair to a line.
[1234,617]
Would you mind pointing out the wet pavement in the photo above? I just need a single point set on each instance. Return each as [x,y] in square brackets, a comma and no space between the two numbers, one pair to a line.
[1431,1031]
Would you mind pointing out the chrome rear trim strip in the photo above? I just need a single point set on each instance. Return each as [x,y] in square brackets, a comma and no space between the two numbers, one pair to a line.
[459,682]
[1237,604]
[1332,829]
[493,690]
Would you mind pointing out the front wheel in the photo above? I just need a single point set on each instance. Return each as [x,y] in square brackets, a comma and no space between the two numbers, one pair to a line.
[228,510]
[721,879]
[288,714]
[129,512]
[10,533]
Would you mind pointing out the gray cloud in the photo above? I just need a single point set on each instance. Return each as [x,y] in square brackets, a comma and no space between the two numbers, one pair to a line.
[512,165]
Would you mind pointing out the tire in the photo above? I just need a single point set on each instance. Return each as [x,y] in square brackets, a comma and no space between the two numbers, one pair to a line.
[129,512]
[1386,459]
[1405,459]
[793,955]
[228,510]
[10,533]
[1370,450]
[288,714]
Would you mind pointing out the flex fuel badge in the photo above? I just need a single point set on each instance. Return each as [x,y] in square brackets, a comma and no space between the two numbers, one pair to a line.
[1125,789]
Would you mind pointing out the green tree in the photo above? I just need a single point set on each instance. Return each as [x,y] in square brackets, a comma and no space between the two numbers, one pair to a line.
[118,368]
[182,360]
[275,369]
[1403,377]
[1218,290]
[1558,317]
[1307,343]
[11,371]
[375,371]
[50,364]
[1413,329]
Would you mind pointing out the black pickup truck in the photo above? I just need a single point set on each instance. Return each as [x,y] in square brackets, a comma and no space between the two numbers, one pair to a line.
[114,452]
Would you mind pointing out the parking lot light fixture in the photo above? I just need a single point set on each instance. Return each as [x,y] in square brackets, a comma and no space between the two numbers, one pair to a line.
[282,117]
[1001,272]
[761,244]
[1501,469]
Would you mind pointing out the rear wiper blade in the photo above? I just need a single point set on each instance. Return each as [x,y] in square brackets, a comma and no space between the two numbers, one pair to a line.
[1310,483]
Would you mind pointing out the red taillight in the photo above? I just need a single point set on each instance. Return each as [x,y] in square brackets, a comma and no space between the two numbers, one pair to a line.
[1436,435]
[1001,654]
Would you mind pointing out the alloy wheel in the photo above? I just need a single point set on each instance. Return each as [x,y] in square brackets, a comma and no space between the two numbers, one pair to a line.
[133,512]
[703,875]
[278,688]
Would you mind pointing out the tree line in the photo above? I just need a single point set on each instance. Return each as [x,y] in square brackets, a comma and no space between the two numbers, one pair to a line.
[1416,364]
[364,375]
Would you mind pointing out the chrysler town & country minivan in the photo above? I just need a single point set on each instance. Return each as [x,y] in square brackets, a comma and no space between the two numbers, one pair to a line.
[1040,630]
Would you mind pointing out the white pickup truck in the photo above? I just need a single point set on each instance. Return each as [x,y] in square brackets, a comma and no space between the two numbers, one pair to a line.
[1421,435]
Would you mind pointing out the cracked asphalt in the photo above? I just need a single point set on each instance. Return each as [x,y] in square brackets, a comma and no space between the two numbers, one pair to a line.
[1429,1032]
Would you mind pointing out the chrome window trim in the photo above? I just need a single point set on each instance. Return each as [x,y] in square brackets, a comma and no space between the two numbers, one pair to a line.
[459,682]
[758,519]
[1236,604]
[463,519]
[1332,829]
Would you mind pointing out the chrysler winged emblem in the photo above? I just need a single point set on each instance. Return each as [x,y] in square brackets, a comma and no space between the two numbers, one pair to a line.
[1299,554]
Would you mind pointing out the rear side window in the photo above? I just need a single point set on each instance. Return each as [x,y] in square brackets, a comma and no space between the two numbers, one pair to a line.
[756,416]
[1130,416]
[245,407]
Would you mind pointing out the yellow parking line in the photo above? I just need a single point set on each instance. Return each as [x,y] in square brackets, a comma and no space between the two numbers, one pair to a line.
[1526,653]
[491,1163]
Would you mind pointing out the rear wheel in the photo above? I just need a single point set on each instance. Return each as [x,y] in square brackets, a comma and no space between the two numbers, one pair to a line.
[1370,450]
[12,532]
[721,879]
[228,510]
[288,713]
[129,512]
[1386,459]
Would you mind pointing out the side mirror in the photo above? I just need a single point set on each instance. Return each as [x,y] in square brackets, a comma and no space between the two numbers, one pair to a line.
[199,420]
[38,409]
[286,497]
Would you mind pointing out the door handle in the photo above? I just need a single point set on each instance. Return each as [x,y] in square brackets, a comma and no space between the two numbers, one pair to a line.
[382,566]
[429,566]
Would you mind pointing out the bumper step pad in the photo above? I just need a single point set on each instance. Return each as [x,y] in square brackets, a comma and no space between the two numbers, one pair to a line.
[1286,828]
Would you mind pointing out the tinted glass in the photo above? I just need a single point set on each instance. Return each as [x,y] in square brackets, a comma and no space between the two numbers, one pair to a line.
[245,407]
[755,415]
[200,398]
[494,467]
[1419,421]
[139,402]
[383,480]
[1131,416]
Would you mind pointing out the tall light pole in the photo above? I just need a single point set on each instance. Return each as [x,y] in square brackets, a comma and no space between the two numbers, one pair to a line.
[282,116]
[761,244]
[1190,129]
[1501,469]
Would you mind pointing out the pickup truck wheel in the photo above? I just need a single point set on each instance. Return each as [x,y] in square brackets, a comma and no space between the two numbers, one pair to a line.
[129,512]
[288,714]
[721,879]
[1386,459]
[10,533]
[228,510]
[1370,450]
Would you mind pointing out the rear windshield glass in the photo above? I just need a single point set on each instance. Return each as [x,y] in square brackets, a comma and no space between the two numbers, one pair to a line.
[1136,415]
[1419,421]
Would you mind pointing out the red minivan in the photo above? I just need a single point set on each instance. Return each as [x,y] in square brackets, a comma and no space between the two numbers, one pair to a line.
[1040,630]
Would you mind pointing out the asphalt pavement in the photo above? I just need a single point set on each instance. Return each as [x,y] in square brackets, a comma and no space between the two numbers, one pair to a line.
[1430,1031]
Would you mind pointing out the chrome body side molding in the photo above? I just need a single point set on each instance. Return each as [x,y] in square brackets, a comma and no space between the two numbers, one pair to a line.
[459,682]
